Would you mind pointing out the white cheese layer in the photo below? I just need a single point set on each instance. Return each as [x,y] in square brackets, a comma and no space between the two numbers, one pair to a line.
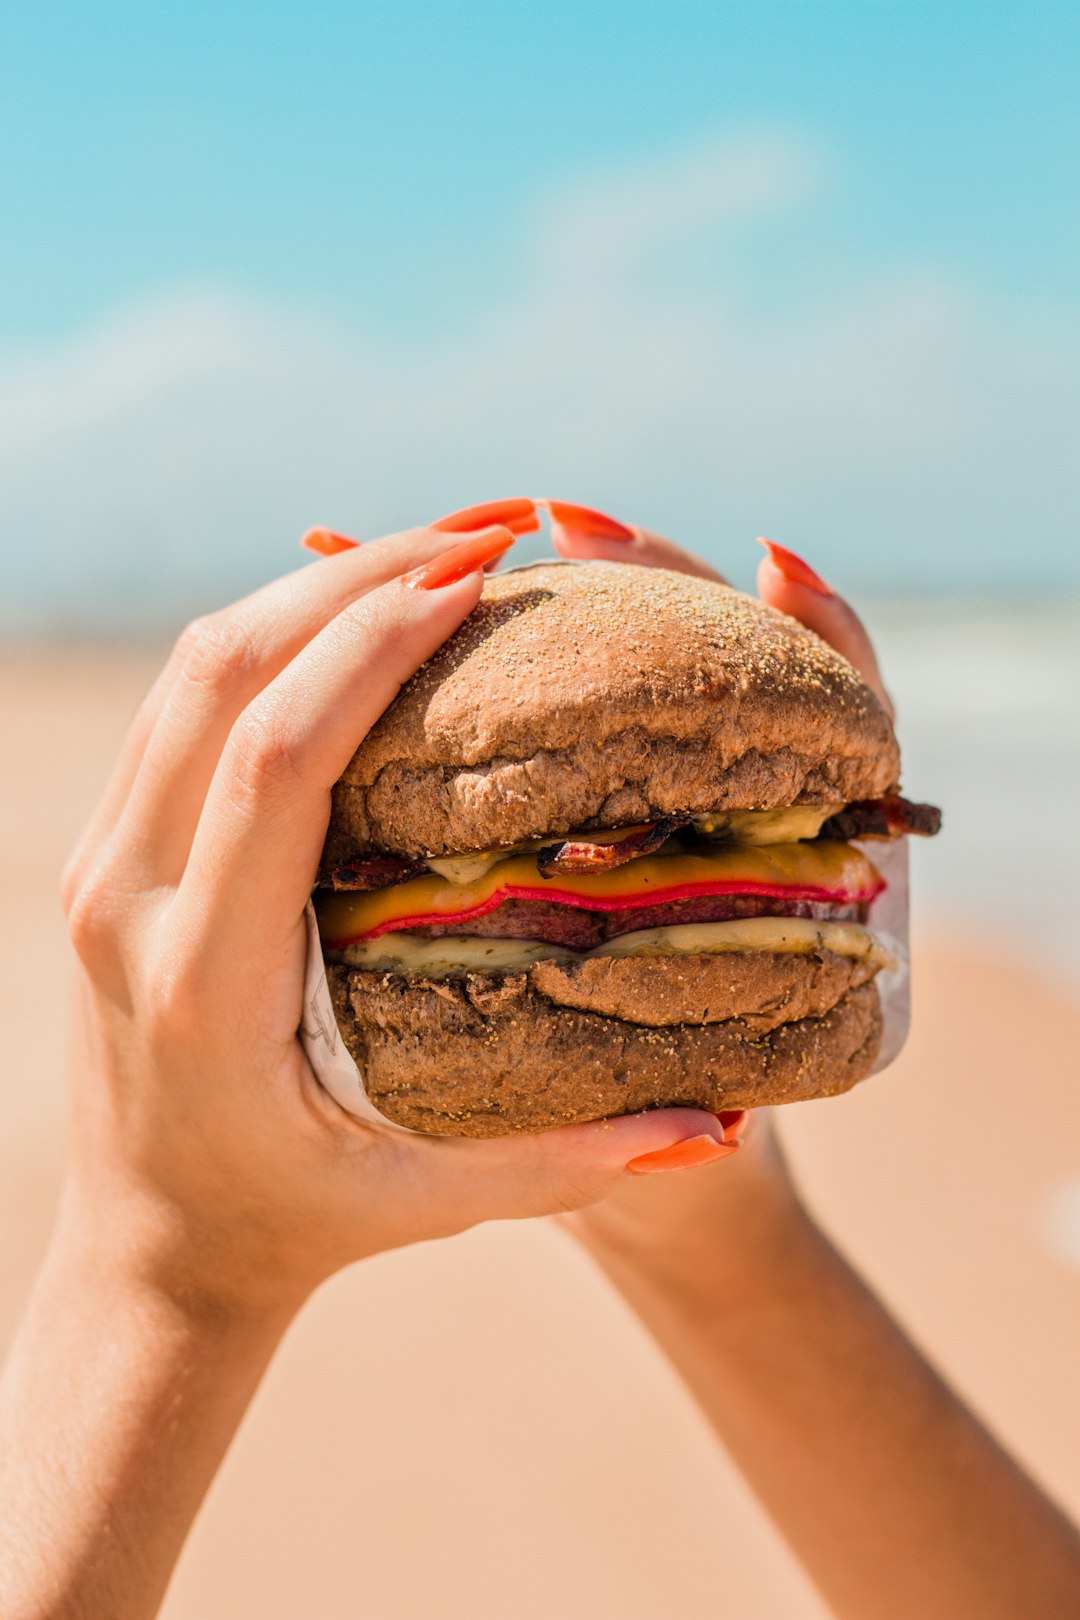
[453,955]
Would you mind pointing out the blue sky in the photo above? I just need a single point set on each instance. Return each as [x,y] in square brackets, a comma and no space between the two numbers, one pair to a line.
[754,266]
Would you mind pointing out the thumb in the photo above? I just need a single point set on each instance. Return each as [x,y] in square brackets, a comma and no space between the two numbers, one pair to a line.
[550,1172]
[791,585]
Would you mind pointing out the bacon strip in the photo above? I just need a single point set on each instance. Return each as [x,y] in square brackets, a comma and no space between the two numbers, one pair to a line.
[373,872]
[883,818]
[579,855]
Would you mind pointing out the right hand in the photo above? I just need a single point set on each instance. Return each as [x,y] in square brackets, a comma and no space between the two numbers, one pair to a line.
[666,1223]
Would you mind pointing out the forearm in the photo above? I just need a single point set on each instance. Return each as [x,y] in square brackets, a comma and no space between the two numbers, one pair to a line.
[116,1407]
[897,1501]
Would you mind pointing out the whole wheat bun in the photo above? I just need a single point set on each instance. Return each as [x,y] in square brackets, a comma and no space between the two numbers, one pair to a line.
[598,695]
[491,1054]
[582,695]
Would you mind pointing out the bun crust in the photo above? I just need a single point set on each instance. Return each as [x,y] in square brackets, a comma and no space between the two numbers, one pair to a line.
[492,1054]
[601,694]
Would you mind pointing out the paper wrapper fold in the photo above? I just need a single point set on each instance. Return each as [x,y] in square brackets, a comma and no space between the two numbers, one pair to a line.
[334,1066]
[337,1071]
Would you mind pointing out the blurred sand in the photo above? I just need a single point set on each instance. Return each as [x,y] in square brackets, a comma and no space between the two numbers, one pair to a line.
[476,1430]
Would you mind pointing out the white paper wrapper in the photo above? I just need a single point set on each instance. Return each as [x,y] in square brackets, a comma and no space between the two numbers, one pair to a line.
[333,1064]
[337,1071]
[889,921]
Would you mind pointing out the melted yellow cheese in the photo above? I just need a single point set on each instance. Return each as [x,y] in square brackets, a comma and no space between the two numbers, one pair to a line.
[464,869]
[835,867]
[455,955]
[467,868]
[784,826]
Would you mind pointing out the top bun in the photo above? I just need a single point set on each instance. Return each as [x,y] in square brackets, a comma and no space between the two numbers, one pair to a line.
[581,695]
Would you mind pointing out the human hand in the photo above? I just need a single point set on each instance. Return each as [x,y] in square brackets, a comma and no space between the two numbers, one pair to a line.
[204,1149]
[670,1222]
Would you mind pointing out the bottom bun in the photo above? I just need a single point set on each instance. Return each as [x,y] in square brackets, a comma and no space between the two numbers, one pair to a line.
[490,1054]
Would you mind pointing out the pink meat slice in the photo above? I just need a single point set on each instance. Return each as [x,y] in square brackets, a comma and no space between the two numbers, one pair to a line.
[580,930]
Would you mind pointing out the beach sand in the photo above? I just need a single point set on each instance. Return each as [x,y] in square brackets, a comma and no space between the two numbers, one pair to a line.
[477,1430]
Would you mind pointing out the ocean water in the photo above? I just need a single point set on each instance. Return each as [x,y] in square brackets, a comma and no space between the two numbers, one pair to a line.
[988,714]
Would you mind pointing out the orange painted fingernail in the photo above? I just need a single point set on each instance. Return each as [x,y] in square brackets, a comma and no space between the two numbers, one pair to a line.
[683,1155]
[325,543]
[794,569]
[519,515]
[460,560]
[586,520]
[735,1123]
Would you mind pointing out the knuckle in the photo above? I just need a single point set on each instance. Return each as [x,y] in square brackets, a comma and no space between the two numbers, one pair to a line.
[90,909]
[265,751]
[217,651]
[577,1192]
[70,881]
[175,994]
[573,1181]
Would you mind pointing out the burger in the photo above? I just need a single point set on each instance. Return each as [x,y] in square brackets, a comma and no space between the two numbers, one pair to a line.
[604,852]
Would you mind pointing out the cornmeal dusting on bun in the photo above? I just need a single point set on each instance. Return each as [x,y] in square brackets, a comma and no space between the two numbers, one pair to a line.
[587,861]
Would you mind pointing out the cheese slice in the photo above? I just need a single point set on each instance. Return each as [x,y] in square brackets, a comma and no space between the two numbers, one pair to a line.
[451,956]
[823,870]
[455,955]
[782,826]
[794,934]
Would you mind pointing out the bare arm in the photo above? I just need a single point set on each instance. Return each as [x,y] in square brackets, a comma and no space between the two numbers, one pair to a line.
[895,1498]
[117,1406]
[213,1184]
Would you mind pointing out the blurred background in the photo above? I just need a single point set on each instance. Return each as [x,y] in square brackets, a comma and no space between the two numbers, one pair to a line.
[810,270]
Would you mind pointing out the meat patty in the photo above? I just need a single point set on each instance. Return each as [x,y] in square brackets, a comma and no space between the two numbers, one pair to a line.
[580,930]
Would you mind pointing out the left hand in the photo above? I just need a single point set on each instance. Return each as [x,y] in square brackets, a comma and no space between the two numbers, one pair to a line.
[205,1155]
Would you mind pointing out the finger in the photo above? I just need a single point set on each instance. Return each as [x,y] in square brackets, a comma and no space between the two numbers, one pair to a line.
[736,1123]
[123,776]
[551,1172]
[118,786]
[256,848]
[582,533]
[786,582]
[220,664]
[518,514]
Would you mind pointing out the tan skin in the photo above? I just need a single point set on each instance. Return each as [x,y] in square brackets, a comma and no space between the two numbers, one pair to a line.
[213,1185]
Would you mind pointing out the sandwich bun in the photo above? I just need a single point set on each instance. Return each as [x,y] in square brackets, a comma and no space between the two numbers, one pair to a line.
[585,697]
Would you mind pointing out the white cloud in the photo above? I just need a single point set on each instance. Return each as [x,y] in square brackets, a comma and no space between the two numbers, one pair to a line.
[593,232]
[898,427]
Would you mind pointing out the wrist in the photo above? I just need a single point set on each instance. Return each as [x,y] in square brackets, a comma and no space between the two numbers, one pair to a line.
[739,1246]
[139,1247]
[736,1291]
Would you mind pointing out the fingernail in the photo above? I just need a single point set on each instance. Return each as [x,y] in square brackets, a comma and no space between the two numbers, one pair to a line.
[585,520]
[794,569]
[460,560]
[683,1155]
[735,1123]
[519,515]
[326,543]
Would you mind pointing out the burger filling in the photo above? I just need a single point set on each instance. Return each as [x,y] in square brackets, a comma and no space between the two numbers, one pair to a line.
[762,880]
